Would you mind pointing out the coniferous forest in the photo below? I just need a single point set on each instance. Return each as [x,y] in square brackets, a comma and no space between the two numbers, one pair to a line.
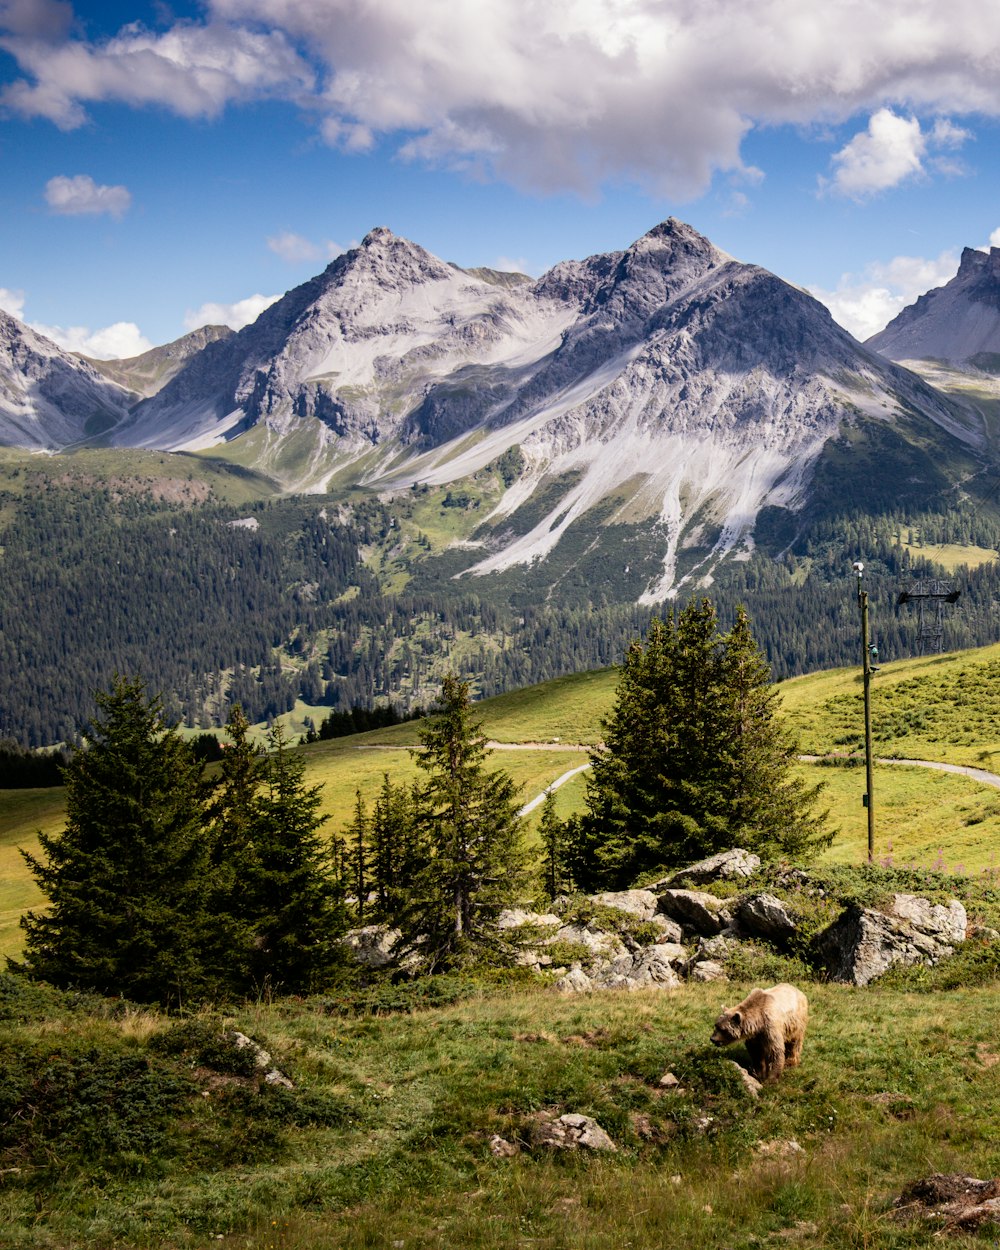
[291,599]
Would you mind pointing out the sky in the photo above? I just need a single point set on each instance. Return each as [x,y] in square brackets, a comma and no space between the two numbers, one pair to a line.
[172,164]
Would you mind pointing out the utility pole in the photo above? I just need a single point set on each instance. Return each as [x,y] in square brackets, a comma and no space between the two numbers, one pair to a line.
[866,658]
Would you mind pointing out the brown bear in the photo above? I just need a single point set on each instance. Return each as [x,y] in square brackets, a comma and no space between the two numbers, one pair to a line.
[772,1023]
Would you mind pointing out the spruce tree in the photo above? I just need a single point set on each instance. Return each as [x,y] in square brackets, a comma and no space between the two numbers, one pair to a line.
[357,839]
[233,816]
[127,879]
[289,894]
[394,847]
[694,760]
[768,808]
[473,863]
[552,835]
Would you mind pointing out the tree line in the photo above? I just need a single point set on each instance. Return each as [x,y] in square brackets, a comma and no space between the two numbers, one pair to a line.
[217,614]
[167,887]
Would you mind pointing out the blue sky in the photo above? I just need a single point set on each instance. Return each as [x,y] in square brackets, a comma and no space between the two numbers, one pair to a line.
[166,164]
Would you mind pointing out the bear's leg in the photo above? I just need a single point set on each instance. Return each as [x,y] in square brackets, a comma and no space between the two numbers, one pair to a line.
[755,1051]
[793,1051]
[772,1056]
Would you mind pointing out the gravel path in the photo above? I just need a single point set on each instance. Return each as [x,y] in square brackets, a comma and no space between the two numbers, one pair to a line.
[964,770]
[536,802]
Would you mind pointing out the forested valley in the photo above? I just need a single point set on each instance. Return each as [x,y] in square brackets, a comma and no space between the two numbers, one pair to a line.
[288,599]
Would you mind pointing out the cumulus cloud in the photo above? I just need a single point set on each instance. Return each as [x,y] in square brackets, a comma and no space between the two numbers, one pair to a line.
[36,19]
[865,303]
[566,95]
[12,302]
[193,69]
[890,151]
[115,342]
[82,195]
[236,315]
[295,249]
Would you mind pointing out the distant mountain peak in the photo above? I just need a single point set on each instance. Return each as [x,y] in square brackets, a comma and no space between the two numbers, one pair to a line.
[957,322]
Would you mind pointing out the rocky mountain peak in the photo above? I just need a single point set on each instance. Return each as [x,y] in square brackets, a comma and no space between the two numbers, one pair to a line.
[958,322]
[975,263]
[390,261]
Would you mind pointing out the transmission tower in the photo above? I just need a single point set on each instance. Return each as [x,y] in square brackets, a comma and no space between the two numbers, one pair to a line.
[930,594]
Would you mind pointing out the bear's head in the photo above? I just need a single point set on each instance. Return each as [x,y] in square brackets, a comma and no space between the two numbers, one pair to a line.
[728,1027]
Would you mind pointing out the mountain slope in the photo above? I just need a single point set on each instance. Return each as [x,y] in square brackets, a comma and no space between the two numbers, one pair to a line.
[666,386]
[958,323]
[149,372]
[50,398]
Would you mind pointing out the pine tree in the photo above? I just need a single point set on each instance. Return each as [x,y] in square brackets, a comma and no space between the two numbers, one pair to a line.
[127,879]
[394,847]
[768,808]
[289,895]
[357,839]
[473,863]
[233,815]
[694,759]
[552,835]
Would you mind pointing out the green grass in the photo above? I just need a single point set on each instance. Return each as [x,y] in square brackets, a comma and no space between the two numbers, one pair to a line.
[384,1142]
[952,556]
[943,708]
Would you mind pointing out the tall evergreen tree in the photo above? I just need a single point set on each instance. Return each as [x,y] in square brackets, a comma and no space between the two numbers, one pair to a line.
[473,860]
[767,806]
[694,759]
[127,879]
[289,894]
[394,847]
[552,834]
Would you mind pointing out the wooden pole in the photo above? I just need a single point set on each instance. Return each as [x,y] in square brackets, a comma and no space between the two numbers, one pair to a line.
[869,799]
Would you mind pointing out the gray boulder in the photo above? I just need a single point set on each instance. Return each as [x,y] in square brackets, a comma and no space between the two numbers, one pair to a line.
[570,1132]
[692,909]
[575,981]
[706,970]
[514,918]
[863,943]
[763,915]
[670,930]
[726,866]
[373,945]
[641,903]
[651,967]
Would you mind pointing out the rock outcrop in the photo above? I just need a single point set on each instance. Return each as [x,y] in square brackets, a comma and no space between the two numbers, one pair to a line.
[698,934]
[864,943]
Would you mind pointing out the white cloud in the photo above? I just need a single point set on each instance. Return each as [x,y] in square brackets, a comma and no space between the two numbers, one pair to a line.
[36,19]
[570,94]
[114,342]
[995,238]
[12,302]
[236,315]
[195,70]
[890,151]
[81,194]
[865,303]
[295,249]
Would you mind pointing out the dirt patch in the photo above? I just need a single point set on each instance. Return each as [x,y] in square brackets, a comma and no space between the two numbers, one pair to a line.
[951,1201]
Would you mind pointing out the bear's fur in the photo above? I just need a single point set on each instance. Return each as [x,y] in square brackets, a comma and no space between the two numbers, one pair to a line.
[772,1024]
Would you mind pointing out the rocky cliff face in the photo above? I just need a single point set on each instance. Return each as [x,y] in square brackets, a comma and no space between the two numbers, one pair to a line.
[958,323]
[50,398]
[667,386]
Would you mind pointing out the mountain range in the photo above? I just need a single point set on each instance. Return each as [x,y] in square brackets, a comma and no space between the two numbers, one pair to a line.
[666,389]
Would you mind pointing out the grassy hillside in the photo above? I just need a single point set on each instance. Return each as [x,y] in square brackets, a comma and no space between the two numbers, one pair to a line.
[943,708]
[384,1142]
